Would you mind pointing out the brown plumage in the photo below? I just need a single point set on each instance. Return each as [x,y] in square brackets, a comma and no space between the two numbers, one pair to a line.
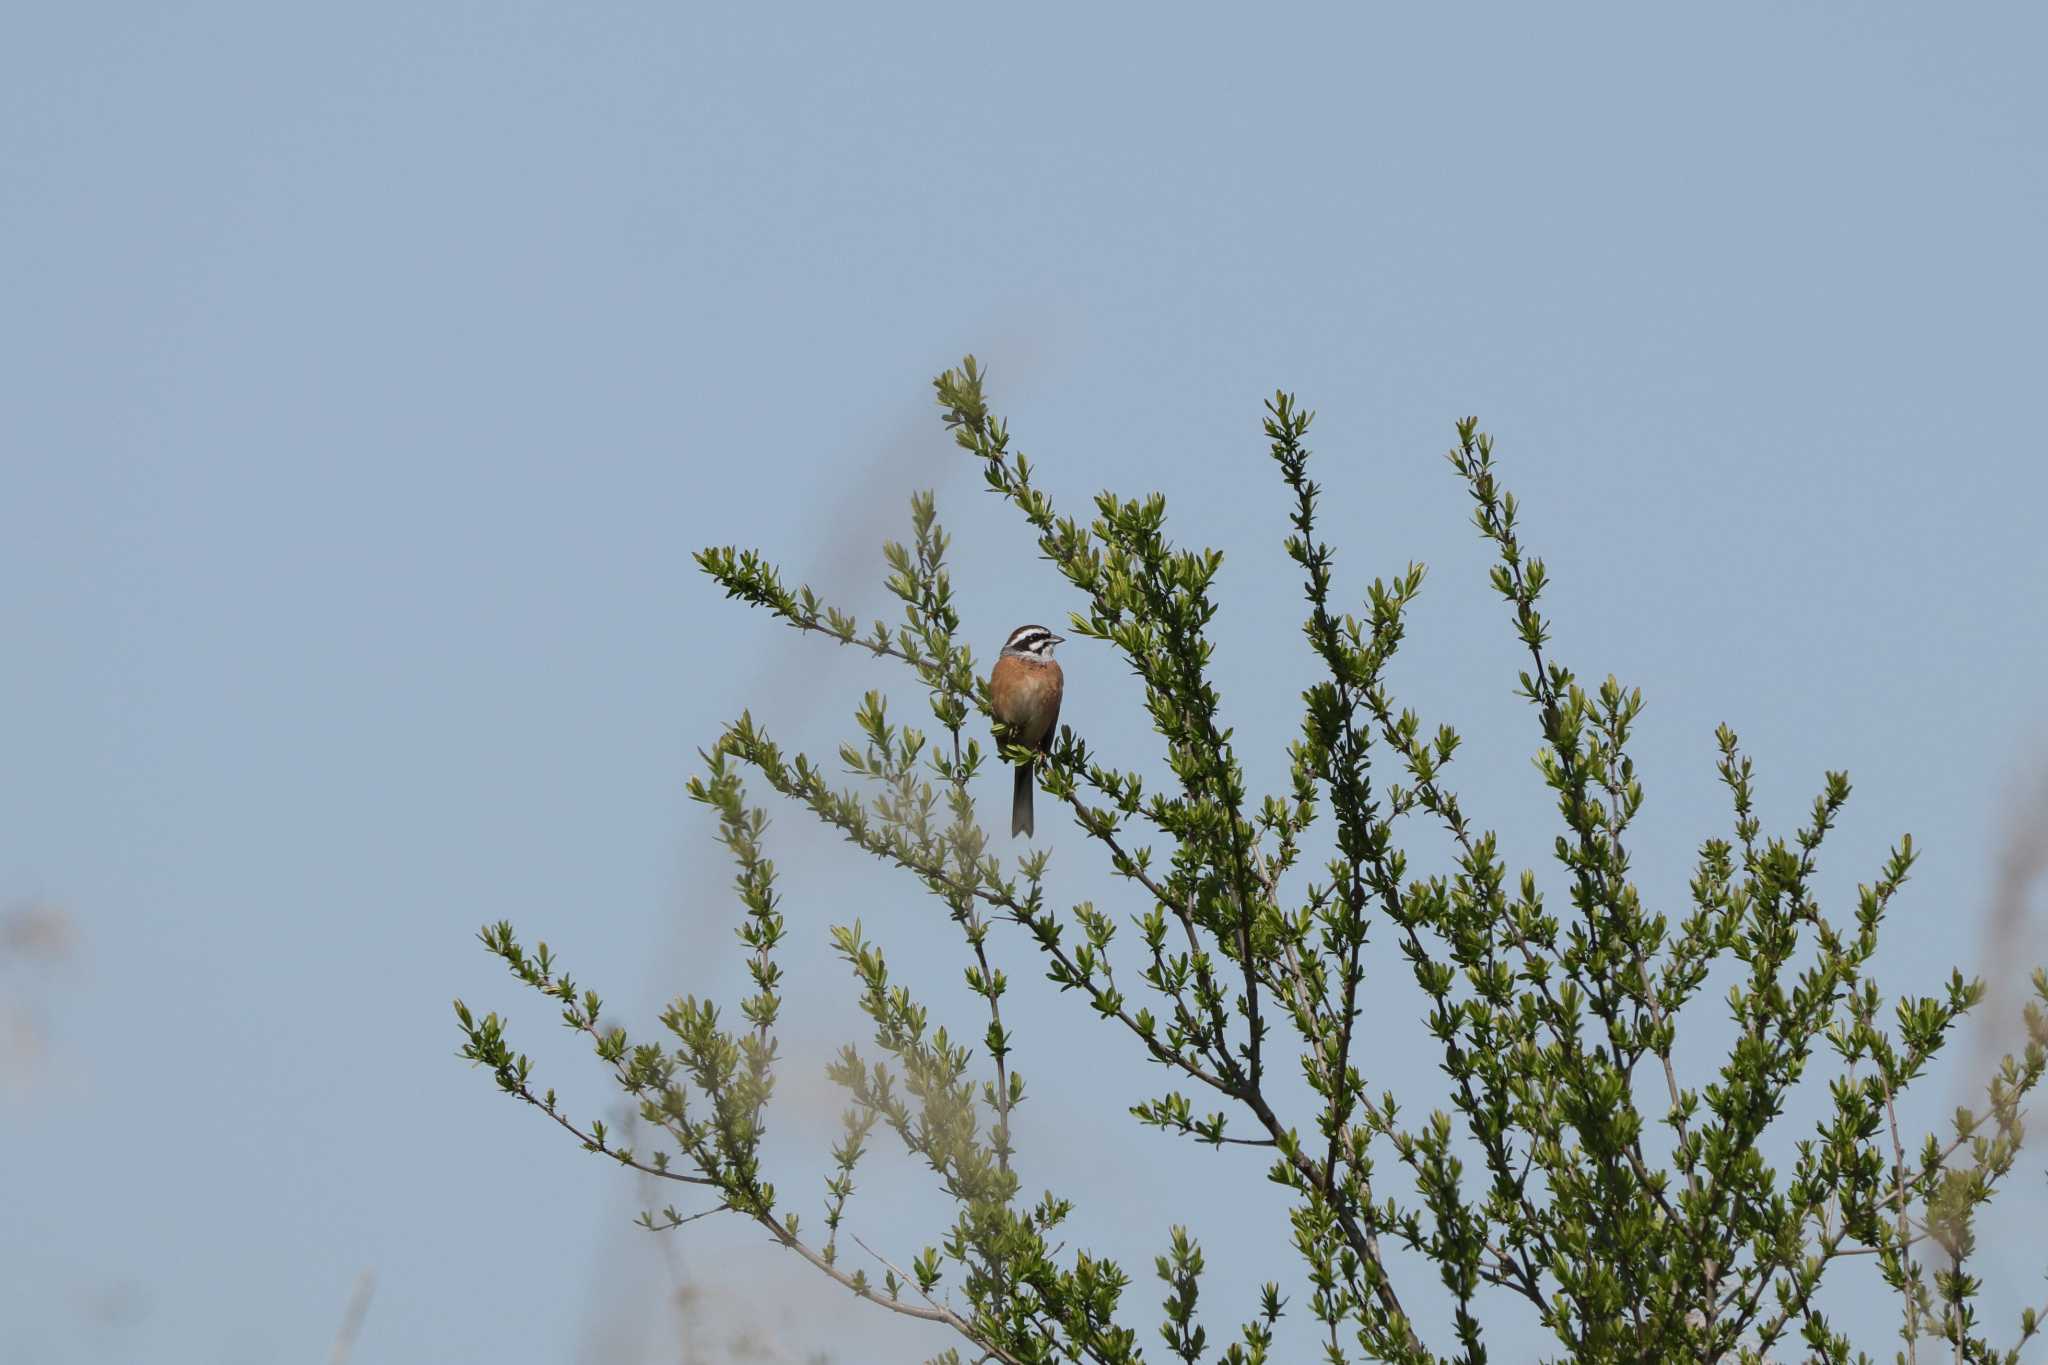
[1024,691]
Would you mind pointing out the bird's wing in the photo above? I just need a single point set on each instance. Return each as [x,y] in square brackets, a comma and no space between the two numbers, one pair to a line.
[1052,724]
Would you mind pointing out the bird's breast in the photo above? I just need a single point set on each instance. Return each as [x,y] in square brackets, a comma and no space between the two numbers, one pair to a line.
[1026,696]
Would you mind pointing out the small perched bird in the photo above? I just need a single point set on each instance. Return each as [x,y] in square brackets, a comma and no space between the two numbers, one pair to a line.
[1024,691]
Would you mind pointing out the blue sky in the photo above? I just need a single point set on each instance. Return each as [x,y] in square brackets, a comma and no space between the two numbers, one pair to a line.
[371,375]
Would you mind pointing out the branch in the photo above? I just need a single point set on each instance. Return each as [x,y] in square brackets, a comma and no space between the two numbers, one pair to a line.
[352,1318]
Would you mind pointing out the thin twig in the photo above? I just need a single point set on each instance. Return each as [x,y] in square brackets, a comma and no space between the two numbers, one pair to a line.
[595,1145]
[1912,1325]
[352,1317]
[937,1313]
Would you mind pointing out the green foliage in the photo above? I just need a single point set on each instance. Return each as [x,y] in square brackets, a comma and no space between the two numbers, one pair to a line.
[1546,1181]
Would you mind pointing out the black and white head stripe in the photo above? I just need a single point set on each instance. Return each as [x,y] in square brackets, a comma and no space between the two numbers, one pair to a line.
[1035,641]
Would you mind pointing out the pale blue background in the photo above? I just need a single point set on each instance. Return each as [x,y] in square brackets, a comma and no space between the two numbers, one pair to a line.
[368,375]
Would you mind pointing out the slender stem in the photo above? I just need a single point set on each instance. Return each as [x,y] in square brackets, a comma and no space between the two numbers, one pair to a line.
[936,1312]
[352,1318]
[597,1145]
[977,938]
[1911,1276]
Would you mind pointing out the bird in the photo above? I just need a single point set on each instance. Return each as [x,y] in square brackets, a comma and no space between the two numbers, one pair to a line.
[1024,690]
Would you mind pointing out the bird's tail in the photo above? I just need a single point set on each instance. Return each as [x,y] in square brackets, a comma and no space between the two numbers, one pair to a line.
[1020,804]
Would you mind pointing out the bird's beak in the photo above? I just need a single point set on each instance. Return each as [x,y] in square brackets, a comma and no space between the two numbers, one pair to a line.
[1059,639]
